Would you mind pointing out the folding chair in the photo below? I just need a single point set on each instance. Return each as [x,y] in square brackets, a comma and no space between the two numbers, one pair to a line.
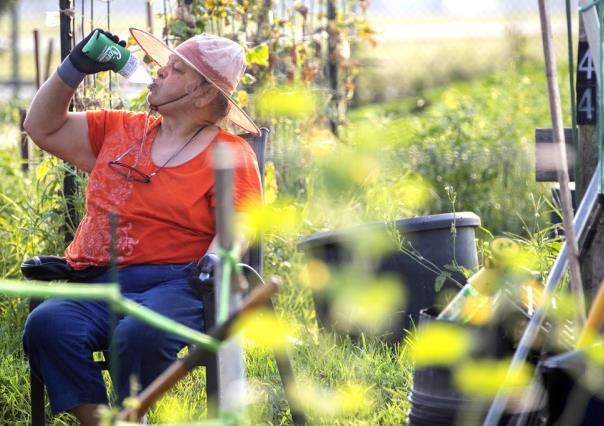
[253,258]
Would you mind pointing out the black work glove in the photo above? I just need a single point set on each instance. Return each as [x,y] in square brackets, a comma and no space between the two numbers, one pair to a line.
[206,266]
[86,65]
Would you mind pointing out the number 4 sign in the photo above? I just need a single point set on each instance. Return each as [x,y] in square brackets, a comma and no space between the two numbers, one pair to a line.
[587,87]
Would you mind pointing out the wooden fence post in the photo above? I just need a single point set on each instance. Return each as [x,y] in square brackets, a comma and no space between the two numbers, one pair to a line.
[47,64]
[36,33]
[69,182]
[14,47]
[332,65]
[150,25]
[24,145]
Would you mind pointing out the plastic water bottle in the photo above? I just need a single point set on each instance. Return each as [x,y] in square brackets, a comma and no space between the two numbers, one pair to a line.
[484,284]
[473,297]
[101,48]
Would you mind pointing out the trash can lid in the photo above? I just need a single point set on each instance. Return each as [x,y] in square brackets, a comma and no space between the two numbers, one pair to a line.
[439,221]
[414,224]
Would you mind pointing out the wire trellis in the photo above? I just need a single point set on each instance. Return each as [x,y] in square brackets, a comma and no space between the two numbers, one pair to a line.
[106,90]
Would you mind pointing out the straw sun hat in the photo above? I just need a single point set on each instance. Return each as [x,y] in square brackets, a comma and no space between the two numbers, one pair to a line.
[219,60]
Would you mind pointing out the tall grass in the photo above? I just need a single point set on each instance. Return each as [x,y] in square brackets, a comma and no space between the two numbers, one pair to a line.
[476,138]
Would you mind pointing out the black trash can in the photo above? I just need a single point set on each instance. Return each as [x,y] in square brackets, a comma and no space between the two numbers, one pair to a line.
[433,246]
[435,400]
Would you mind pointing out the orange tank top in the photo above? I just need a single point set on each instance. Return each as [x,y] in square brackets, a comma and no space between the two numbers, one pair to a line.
[170,219]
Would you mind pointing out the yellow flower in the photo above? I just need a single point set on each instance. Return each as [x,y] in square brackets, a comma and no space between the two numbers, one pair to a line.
[170,410]
[485,378]
[315,274]
[259,220]
[285,101]
[353,398]
[439,343]
[242,98]
[367,305]
[347,399]
[263,329]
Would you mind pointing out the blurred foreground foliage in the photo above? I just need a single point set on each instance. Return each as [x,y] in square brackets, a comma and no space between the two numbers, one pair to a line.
[466,147]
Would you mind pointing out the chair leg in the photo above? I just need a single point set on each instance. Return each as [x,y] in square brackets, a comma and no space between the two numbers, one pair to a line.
[36,391]
[212,385]
[36,386]
[211,364]
[288,380]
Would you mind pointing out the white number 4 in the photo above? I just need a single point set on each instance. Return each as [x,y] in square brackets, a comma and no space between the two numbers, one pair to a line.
[586,65]
[585,104]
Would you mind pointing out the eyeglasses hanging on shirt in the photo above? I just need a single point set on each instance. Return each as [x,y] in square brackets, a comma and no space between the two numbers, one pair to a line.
[130,172]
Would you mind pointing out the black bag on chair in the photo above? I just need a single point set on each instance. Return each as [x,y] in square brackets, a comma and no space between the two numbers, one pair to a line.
[55,268]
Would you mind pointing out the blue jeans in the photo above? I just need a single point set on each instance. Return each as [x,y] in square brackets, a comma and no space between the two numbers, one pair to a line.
[60,336]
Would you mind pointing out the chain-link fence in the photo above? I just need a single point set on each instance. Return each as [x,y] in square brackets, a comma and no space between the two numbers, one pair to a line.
[420,43]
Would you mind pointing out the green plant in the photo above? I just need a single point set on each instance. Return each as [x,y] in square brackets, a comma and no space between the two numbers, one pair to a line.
[477,139]
[31,223]
[286,44]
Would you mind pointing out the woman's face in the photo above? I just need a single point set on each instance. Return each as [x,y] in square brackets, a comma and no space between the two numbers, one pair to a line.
[175,81]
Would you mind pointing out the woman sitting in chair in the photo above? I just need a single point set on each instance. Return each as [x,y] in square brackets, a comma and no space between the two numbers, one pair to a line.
[157,174]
